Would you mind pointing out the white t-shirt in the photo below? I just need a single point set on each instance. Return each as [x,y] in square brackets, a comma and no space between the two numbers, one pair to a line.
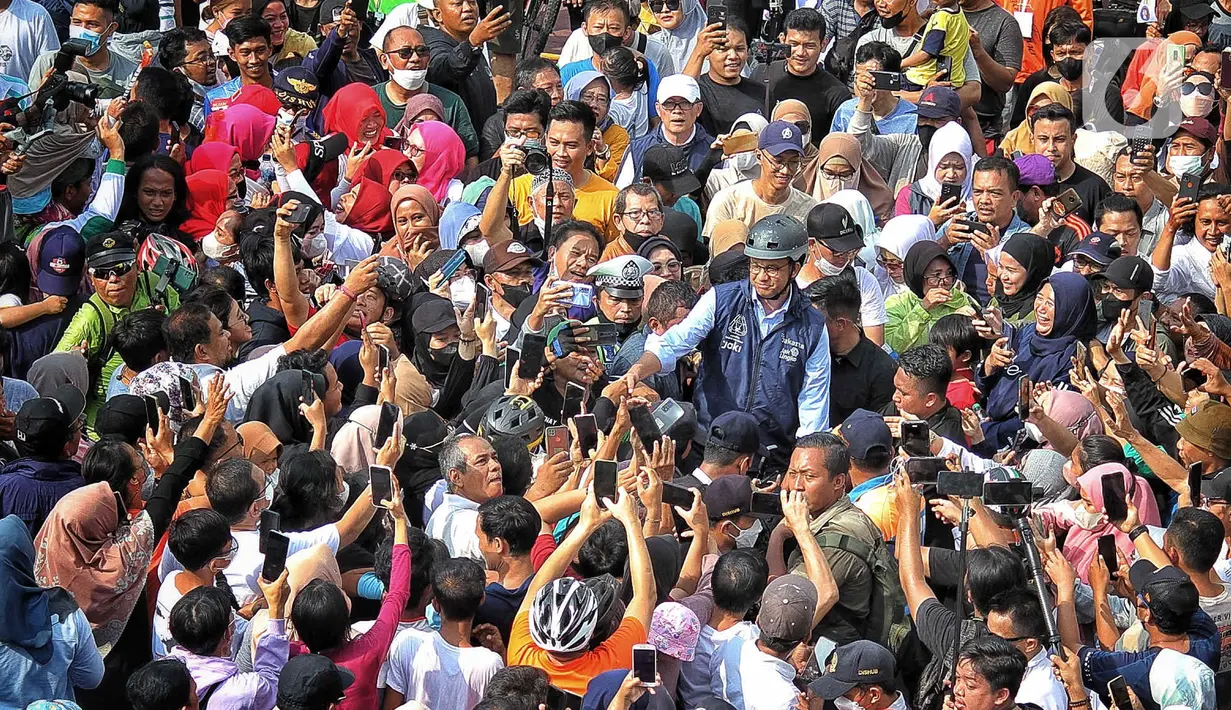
[770,681]
[423,667]
[360,628]
[872,298]
[168,595]
[453,523]
[26,31]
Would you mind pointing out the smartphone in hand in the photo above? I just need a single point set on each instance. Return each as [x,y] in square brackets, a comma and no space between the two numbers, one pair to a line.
[381,478]
[605,481]
[276,547]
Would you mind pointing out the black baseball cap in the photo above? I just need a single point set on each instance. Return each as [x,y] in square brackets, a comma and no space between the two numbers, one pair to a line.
[432,315]
[109,249]
[49,418]
[124,416]
[1130,272]
[735,431]
[311,682]
[728,497]
[1164,587]
[668,166]
[856,663]
[834,226]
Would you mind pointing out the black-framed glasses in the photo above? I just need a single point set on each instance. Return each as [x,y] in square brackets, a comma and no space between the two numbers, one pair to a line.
[204,60]
[1204,88]
[664,5]
[791,166]
[405,53]
[889,264]
[638,215]
[103,273]
[938,279]
[674,105]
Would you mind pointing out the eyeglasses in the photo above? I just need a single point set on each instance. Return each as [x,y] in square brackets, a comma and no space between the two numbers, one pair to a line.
[1204,88]
[938,279]
[757,267]
[837,176]
[664,5]
[203,60]
[672,106]
[889,264]
[529,133]
[413,151]
[104,273]
[791,166]
[232,548]
[405,53]
[669,265]
[638,215]
[596,98]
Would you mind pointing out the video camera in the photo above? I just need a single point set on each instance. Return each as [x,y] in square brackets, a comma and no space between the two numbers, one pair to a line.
[768,52]
[57,91]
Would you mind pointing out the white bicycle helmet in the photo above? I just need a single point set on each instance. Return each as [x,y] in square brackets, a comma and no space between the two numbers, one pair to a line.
[563,616]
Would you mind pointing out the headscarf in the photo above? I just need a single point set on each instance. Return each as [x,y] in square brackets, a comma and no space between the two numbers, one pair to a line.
[949,138]
[444,154]
[665,561]
[868,180]
[370,212]
[302,568]
[54,370]
[207,200]
[211,155]
[347,108]
[1044,468]
[381,164]
[164,377]
[258,439]
[1021,138]
[25,605]
[916,262]
[681,40]
[897,237]
[453,223]
[1037,257]
[1140,84]
[353,445]
[276,402]
[249,129]
[860,209]
[755,121]
[258,96]
[419,103]
[1073,412]
[578,84]
[419,195]
[85,548]
[1081,545]
[1047,357]
[419,467]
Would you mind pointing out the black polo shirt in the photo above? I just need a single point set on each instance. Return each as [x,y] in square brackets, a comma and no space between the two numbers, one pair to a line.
[860,379]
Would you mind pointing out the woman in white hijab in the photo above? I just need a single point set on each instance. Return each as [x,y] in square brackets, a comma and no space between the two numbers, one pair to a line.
[740,166]
[680,27]
[896,238]
[950,160]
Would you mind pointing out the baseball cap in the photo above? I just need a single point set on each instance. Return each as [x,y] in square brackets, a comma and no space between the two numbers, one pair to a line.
[735,431]
[679,86]
[109,249]
[865,432]
[856,663]
[1199,128]
[432,315]
[787,607]
[674,630]
[61,259]
[668,166]
[1218,487]
[1164,587]
[779,137]
[394,278]
[1130,272]
[507,255]
[833,226]
[123,415]
[49,418]
[728,497]
[939,102]
[312,681]
[1208,427]
[1035,169]
[1099,248]
[331,11]
[297,88]
[1194,9]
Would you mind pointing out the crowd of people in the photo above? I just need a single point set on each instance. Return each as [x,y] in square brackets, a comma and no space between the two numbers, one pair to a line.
[871,356]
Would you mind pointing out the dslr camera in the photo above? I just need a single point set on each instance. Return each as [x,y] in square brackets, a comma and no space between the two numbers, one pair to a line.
[536,161]
[56,92]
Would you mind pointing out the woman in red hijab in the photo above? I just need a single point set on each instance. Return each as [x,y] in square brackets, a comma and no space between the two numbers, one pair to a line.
[249,129]
[356,111]
[259,96]
[366,208]
[390,168]
[210,193]
[216,155]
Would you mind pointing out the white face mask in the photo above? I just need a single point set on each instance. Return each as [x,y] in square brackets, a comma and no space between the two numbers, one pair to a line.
[747,539]
[216,250]
[1180,165]
[461,292]
[743,162]
[271,484]
[846,704]
[477,250]
[410,79]
[828,269]
[1085,519]
[314,246]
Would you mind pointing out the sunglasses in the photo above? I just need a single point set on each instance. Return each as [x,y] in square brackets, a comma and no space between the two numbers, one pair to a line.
[117,270]
[407,52]
[1204,88]
[665,5]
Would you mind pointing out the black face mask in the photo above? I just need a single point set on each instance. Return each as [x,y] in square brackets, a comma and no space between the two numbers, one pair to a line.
[602,42]
[1069,68]
[515,295]
[444,356]
[891,22]
[925,136]
[1110,308]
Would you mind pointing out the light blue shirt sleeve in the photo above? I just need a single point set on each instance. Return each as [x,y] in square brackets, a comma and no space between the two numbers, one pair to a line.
[814,399]
[684,336]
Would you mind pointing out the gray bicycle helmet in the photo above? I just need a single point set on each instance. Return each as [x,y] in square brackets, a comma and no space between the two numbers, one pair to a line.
[514,415]
[777,237]
[563,616]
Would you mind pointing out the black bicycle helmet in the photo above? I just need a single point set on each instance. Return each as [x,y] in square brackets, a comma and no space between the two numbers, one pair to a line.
[514,415]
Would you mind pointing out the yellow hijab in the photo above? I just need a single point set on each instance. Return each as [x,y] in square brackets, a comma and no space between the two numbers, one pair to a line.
[1020,137]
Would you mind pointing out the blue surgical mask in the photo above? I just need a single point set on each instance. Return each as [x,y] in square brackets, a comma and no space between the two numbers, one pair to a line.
[747,539]
[93,38]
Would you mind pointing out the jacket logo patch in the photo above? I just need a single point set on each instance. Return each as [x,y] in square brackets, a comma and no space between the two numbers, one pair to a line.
[737,329]
[790,350]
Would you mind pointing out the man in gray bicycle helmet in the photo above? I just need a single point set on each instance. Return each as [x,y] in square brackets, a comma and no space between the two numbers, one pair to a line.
[764,350]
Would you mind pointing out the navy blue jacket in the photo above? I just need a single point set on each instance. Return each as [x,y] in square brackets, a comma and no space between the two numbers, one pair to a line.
[29,489]
[697,148]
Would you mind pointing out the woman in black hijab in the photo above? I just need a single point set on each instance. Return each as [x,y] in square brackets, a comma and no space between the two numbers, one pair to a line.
[1026,260]
[276,403]
[931,277]
[419,467]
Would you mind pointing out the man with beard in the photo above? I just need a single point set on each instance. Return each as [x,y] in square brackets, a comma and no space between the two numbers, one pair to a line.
[187,50]
[619,285]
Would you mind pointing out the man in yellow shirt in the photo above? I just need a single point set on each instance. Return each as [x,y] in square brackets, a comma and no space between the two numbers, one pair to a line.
[569,142]
[870,444]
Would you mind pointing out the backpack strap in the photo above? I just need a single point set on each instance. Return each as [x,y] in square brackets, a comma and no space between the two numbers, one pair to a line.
[203,704]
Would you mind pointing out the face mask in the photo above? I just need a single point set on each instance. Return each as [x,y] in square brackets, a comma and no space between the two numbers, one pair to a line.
[1084,518]
[94,39]
[831,185]
[410,79]
[1185,165]
[343,495]
[828,269]
[743,162]
[747,539]
[271,484]
[1195,105]
[1111,308]
[445,355]
[602,42]
[1069,68]
[477,250]
[216,250]
[515,295]
[846,704]
[891,22]
[461,292]
[314,246]
[925,136]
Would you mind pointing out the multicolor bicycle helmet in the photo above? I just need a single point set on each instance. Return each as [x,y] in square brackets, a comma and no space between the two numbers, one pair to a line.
[514,415]
[563,616]
[158,245]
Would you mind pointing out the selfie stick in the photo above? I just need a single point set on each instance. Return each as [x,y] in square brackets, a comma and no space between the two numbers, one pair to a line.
[1040,588]
[964,530]
[549,203]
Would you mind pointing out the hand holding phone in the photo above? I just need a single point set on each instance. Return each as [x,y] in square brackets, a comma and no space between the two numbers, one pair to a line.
[276,547]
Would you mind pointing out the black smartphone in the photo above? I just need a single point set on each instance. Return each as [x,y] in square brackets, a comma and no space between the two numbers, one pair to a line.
[300,213]
[453,264]
[389,416]
[574,395]
[715,14]
[1107,550]
[587,433]
[533,352]
[915,439]
[645,426]
[1007,493]
[1024,388]
[1139,141]
[950,191]
[675,494]
[1113,497]
[512,356]
[766,504]
[1190,184]
[383,355]
[963,484]
[151,413]
[607,334]
[276,547]
[886,80]
[187,396]
[309,389]
[645,664]
[605,480]
[1194,483]
[271,521]
[1225,78]
[973,226]
[381,482]
[481,295]
[1194,376]
[944,64]
[557,440]
[1119,693]
[562,699]
[1068,202]
[394,142]
[924,469]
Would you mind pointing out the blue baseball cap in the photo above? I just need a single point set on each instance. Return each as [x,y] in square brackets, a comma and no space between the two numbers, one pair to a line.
[1099,248]
[864,432]
[61,260]
[937,102]
[779,137]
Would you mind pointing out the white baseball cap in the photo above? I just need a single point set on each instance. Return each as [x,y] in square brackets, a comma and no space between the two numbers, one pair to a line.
[680,86]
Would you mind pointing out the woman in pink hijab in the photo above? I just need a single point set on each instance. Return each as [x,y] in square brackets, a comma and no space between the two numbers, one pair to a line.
[248,129]
[439,155]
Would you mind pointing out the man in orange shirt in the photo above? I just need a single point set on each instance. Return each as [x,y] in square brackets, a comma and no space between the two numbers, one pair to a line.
[1031,16]
[554,627]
